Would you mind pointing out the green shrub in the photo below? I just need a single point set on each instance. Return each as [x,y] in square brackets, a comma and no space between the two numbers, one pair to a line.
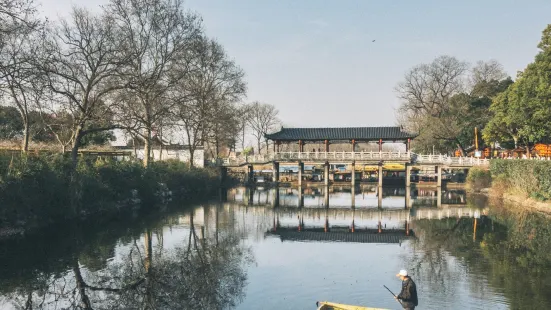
[529,177]
[38,190]
[479,178]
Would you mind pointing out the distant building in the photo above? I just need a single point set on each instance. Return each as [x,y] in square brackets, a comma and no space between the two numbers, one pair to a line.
[165,151]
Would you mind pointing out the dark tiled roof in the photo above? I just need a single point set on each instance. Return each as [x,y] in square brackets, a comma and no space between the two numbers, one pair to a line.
[344,133]
[338,237]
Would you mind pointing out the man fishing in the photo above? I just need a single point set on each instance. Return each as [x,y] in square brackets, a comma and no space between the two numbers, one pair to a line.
[408,295]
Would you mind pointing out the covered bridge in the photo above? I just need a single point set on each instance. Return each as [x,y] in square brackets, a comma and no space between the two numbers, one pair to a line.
[352,135]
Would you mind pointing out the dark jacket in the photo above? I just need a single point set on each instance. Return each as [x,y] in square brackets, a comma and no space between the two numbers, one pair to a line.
[408,295]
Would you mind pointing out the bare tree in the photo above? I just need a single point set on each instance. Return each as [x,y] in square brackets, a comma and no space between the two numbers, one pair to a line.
[486,71]
[427,88]
[262,120]
[155,34]
[19,36]
[16,16]
[206,105]
[82,63]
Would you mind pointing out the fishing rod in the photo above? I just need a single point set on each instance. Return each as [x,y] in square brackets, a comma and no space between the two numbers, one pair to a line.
[398,300]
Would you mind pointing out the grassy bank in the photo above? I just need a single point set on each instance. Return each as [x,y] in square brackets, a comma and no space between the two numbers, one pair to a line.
[37,191]
[525,181]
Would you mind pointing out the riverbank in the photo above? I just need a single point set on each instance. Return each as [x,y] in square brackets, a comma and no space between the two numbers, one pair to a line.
[42,191]
[526,183]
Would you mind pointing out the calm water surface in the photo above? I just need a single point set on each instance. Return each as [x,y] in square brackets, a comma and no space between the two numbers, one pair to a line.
[285,249]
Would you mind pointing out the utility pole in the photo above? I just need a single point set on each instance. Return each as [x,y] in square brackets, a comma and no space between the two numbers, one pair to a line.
[476,138]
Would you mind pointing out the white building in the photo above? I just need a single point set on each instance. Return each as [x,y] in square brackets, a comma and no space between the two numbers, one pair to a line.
[174,151]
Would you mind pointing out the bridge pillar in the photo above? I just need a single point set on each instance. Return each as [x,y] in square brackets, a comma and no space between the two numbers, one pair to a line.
[300,197]
[326,197]
[251,196]
[275,202]
[353,194]
[408,197]
[223,175]
[353,179]
[326,173]
[276,172]
[250,174]
[439,176]
[408,175]
[380,196]
[380,174]
[439,196]
[300,172]
[223,194]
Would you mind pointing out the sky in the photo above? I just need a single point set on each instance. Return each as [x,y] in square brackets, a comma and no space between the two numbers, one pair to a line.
[315,60]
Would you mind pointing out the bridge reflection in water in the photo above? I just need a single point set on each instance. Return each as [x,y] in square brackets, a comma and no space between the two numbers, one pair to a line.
[346,214]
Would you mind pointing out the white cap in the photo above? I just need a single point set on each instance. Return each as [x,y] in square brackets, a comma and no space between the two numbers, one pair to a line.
[403,273]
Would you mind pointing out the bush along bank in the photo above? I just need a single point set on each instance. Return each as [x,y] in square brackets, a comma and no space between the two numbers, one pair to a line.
[531,178]
[37,191]
[520,178]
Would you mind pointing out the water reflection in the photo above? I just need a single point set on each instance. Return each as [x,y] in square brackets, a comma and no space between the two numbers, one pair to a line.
[364,196]
[285,248]
[195,268]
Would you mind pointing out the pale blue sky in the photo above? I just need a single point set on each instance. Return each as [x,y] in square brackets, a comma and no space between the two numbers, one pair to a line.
[316,62]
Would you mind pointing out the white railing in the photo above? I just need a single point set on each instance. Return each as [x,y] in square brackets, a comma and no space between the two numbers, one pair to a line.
[322,156]
[452,161]
[350,156]
[312,156]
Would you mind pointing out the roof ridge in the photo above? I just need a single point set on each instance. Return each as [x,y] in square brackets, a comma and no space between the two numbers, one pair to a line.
[355,127]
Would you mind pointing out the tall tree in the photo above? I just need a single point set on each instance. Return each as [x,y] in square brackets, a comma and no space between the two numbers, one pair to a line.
[20,30]
[206,98]
[523,112]
[262,120]
[21,82]
[155,34]
[443,103]
[82,62]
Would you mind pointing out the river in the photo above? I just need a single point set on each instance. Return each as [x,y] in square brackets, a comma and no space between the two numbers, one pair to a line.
[286,249]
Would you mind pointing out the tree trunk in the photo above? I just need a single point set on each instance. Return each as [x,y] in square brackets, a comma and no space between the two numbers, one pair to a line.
[148,269]
[258,150]
[191,156]
[81,286]
[147,147]
[243,141]
[25,142]
[75,146]
[516,141]
[217,147]
[461,149]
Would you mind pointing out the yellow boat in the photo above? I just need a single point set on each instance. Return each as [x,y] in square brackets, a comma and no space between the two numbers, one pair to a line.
[326,305]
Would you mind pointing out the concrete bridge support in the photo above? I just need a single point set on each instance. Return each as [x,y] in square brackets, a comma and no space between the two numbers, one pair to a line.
[380,174]
[326,197]
[439,196]
[353,194]
[380,196]
[300,197]
[275,201]
[250,174]
[439,176]
[408,197]
[276,172]
[300,172]
[408,175]
[326,173]
[223,175]
[353,165]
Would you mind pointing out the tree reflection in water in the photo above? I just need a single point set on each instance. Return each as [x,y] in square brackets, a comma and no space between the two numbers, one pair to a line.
[202,272]
[508,251]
